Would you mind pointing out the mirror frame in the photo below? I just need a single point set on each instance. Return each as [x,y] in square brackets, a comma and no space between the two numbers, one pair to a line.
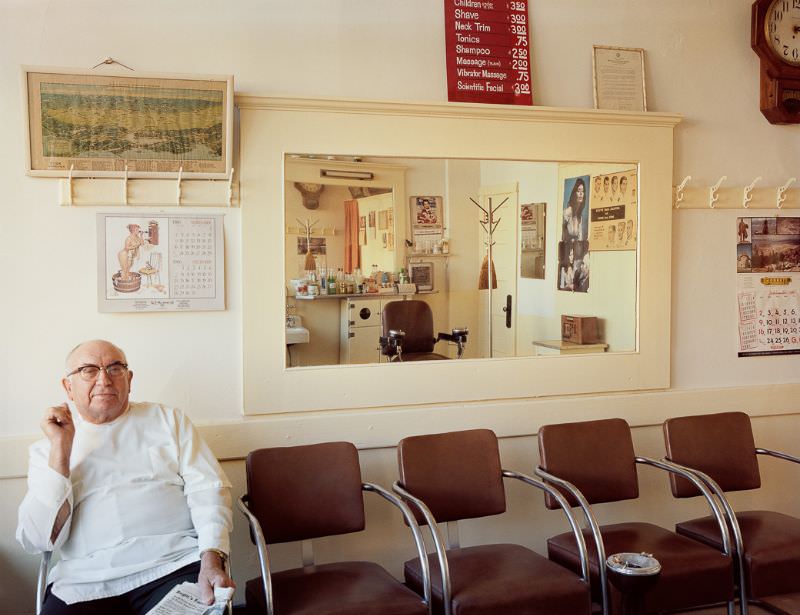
[273,127]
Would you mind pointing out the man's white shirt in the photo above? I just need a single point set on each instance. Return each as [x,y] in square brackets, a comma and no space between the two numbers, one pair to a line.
[146,495]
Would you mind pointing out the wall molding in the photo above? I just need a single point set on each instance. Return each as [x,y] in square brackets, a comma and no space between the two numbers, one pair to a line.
[371,428]
[459,110]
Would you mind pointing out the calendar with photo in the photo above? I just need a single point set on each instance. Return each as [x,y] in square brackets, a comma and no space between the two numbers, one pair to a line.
[768,285]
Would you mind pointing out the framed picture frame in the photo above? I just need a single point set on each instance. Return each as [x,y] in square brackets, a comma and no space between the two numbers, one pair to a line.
[618,78]
[421,274]
[87,124]
[426,212]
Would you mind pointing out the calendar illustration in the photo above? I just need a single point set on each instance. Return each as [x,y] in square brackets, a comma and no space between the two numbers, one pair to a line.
[160,262]
[768,286]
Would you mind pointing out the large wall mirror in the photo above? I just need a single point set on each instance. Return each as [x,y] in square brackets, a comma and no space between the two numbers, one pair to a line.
[349,243]
[367,195]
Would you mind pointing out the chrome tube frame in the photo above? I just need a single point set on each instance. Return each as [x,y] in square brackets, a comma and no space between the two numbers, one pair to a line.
[721,517]
[263,554]
[562,501]
[41,581]
[438,543]
[733,524]
[415,531]
[778,454]
[593,526]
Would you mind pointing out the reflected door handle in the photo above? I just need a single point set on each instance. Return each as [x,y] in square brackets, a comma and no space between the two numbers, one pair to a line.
[507,310]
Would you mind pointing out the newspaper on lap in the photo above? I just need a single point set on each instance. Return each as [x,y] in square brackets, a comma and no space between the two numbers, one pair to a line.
[184,599]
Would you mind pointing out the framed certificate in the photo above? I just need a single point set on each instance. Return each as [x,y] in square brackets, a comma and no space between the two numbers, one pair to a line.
[618,77]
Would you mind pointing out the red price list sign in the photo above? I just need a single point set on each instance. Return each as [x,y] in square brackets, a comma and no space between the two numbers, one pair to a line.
[488,58]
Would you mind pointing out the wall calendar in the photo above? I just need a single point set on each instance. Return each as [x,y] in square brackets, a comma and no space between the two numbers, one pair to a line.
[768,286]
[160,263]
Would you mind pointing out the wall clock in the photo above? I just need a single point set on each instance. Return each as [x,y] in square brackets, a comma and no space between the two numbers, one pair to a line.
[776,40]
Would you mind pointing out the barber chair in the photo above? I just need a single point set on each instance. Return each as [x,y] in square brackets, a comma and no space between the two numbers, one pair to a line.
[407,328]
[721,449]
[299,493]
[594,462]
[457,475]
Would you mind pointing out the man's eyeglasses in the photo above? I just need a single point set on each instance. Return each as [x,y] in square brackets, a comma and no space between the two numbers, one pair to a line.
[91,372]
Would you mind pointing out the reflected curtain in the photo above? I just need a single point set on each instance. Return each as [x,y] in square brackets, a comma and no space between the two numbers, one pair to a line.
[352,254]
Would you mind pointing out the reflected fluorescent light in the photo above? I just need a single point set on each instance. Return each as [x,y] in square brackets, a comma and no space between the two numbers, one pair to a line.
[343,174]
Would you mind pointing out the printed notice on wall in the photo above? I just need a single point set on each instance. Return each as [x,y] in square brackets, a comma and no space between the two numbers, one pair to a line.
[160,263]
[768,286]
[488,56]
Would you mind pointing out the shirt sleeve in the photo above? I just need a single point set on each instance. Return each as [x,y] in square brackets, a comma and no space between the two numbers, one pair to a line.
[47,492]
[207,489]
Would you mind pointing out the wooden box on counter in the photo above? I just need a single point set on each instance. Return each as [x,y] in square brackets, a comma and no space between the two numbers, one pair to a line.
[579,329]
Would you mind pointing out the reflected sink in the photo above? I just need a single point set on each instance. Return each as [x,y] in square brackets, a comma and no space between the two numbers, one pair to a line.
[297,335]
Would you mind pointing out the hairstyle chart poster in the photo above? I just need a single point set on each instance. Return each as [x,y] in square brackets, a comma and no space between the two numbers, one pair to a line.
[768,279]
[613,211]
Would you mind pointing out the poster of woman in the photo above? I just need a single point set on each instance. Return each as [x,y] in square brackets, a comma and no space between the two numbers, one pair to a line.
[575,219]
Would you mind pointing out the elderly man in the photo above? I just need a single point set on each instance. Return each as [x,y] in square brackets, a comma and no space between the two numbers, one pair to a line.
[128,492]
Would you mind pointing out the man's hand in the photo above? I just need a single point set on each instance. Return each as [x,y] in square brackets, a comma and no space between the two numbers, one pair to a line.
[212,574]
[57,425]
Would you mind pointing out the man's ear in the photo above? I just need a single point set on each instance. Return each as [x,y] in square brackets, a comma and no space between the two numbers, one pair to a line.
[67,387]
[130,378]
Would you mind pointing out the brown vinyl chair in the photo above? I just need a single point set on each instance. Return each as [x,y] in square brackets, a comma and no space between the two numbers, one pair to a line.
[458,475]
[302,492]
[722,449]
[407,333]
[594,462]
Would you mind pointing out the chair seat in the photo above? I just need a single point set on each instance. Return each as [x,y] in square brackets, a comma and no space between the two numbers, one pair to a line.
[503,579]
[771,548]
[692,574]
[423,356]
[786,604]
[346,588]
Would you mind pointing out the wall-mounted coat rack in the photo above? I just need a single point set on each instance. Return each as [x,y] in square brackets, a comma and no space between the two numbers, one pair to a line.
[747,197]
[124,190]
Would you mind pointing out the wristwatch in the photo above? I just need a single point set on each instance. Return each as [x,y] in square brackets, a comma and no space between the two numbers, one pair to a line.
[222,555]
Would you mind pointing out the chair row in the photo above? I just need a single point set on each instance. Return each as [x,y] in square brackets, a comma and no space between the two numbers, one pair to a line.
[305,492]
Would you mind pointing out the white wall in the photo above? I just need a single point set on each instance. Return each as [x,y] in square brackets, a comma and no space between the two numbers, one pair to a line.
[699,63]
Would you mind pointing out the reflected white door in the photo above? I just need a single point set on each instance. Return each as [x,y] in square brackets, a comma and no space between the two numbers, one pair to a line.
[501,337]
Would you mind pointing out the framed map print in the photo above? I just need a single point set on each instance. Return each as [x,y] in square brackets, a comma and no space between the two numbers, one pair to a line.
[95,124]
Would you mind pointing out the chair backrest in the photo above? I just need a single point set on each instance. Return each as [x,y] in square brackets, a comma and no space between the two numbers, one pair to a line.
[456,474]
[155,260]
[721,445]
[304,492]
[595,456]
[416,319]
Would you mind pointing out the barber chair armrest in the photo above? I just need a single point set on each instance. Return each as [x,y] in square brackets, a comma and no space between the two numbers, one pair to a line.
[458,336]
[438,542]
[419,541]
[263,555]
[392,344]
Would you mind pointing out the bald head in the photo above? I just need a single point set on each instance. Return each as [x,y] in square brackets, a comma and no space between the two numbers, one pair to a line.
[72,352]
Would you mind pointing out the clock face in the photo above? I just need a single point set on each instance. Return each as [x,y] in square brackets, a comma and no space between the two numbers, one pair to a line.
[782,25]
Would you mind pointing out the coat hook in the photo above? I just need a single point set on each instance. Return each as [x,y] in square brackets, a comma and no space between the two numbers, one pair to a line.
[178,186]
[679,191]
[69,185]
[748,192]
[713,192]
[781,195]
[125,186]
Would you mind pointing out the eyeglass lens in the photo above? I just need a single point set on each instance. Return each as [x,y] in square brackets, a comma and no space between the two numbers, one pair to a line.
[91,372]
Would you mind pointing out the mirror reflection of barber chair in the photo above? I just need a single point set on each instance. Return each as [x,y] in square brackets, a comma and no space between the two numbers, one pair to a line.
[407,328]
[152,269]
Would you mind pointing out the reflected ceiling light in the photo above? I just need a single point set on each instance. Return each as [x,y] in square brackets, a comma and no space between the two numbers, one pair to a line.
[343,174]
